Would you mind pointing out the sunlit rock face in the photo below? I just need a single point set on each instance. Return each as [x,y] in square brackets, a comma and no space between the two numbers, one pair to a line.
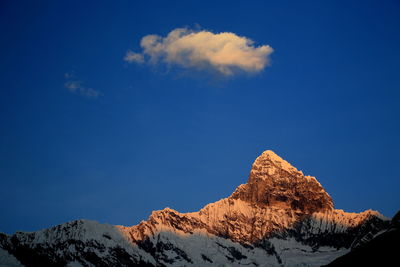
[280,217]
[274,182]
[277,197]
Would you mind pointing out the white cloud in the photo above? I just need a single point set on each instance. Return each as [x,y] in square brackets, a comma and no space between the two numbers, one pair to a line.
[226,53]
[75,86]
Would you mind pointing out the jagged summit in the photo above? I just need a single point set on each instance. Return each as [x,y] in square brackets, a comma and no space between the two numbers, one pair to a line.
[274,198]
[270,161]
[275,182]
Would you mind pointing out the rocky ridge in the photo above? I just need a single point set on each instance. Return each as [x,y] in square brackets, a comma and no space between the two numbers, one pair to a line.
[279,217]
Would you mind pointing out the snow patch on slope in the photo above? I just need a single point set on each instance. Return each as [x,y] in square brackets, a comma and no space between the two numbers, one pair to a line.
[294,253]
[6,259]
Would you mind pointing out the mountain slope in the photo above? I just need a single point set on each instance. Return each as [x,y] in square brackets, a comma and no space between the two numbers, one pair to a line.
[279,217]
[379,249]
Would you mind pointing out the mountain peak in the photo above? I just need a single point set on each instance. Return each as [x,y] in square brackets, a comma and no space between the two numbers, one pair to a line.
[275,182]
[269,161]
[270,153]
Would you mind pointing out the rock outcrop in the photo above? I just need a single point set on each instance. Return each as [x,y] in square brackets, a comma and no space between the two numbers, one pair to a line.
[274,182]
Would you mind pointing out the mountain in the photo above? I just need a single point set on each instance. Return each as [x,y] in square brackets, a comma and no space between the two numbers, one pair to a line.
[379,249]
[280,217]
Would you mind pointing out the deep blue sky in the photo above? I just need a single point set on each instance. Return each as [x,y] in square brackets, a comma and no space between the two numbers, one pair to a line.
[329,104]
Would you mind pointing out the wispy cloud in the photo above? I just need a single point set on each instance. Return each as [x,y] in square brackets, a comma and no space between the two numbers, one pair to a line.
[226,53]
[134,57]
[76,86]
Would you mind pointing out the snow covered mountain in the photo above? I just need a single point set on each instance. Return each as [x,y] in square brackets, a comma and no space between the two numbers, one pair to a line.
[381,249]
[280,217]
